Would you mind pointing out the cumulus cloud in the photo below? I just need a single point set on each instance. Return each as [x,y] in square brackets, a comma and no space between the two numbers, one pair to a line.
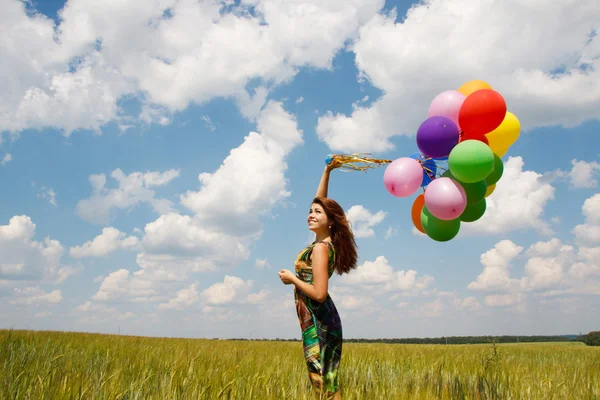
[496,267]
[231,290]
[583,174]
[551,268]
[401,58]
[120,285]
[183,299]
[229,204]
[35,295]
[109,241]
[589,231]
[72,74]
[24,258]
[363,221]
[381,277]
[517,203]
[133,189]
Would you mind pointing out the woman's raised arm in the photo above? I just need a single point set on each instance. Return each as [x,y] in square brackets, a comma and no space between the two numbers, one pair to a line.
[324,184]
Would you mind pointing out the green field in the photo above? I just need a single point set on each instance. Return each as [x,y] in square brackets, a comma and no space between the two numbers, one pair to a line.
[55,365]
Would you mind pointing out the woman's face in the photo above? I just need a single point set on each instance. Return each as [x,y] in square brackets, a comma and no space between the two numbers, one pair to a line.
[317,219]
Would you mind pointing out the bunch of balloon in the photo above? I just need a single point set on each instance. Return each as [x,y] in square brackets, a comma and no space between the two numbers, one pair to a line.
[461,143]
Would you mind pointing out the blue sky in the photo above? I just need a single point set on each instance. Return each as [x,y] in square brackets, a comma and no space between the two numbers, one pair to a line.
[255,104]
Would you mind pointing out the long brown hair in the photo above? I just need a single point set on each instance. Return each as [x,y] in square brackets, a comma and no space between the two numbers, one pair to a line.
[341,235]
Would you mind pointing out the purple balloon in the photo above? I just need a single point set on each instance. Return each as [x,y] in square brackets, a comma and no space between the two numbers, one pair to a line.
[437,136]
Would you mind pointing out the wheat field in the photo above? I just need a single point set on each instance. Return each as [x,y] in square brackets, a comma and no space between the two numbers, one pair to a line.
[61,365]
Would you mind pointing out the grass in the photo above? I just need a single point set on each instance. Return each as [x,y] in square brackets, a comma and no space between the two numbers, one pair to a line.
[57,365]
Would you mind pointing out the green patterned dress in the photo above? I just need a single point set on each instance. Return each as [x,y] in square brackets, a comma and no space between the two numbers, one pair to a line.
[321,326]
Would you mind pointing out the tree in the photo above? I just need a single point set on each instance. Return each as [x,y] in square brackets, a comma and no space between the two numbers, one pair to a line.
[592,338]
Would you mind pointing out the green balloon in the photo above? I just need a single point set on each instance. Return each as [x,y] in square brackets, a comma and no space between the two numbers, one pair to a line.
[437,229]
[471,161]
[496,173]
[475,191]
[474,211]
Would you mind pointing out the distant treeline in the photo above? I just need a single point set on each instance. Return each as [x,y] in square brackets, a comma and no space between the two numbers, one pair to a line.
[460,339]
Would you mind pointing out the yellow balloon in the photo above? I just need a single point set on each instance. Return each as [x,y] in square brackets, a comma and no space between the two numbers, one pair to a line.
[490,190]
[505,134]
[500,152]
[473,86]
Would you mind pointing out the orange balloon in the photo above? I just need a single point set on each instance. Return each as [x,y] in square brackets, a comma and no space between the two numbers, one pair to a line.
[417,207]
[490,190]
[473,86]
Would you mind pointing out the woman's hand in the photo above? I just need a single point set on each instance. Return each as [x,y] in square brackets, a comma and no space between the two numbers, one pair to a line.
[287,277]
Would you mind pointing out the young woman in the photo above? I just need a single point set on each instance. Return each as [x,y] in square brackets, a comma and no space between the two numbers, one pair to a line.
[334,249]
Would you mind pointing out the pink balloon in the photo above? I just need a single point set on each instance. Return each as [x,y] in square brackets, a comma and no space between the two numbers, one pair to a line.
[445,198]
[447,104]
[403,177]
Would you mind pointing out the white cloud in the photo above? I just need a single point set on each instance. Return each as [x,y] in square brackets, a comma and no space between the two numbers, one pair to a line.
[35,295]
[503,300]
[184,298]
[299,100]
[24,258]
[208,122]
[262,264]
[382,278]
[363,221]
[109,241]
[551,268]
[48,194]
[496,263]
[258,298]
[231,290]
[529,83]
[229,205]
[6,158]
[72,75]
[517,203]
[589,232]
[583,174]
[122,286]
[133,189]
[352,302]
[390,232]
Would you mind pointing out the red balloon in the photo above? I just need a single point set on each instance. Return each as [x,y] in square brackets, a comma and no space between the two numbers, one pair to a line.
[481,112]
[481,138]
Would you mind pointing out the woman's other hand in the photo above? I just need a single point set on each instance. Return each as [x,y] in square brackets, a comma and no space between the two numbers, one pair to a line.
[286,276]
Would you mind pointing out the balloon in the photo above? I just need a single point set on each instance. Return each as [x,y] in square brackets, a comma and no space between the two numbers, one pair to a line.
[328,159]
[496,173]
[501,152]
[471,161]
[490,190]
[474,211]
[506,134]
[481,138]
[482,112]
[445,198]
[473,86]
[437,229]
[447,104]
[474,191]
[437,136]
[403,177]
[428,164]
[417,207]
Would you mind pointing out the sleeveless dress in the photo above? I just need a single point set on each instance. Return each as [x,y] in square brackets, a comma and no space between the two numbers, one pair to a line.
[321,326]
